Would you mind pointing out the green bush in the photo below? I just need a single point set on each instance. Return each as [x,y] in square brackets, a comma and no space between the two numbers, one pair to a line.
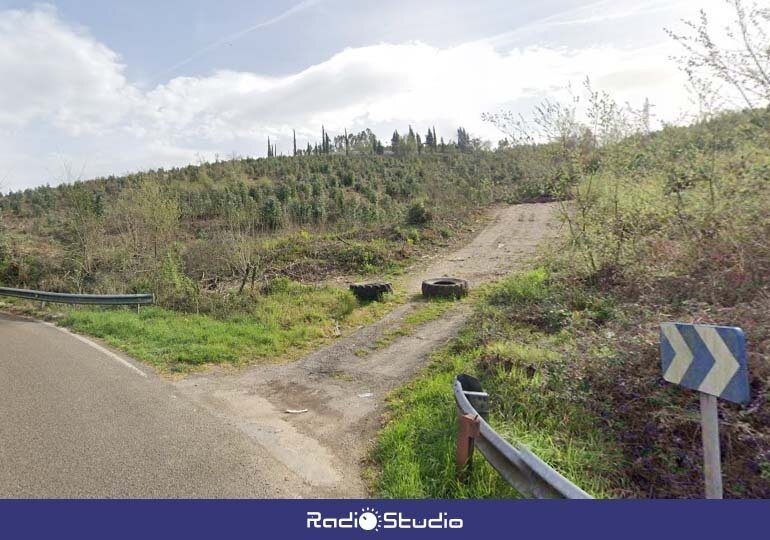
[174,289]
[418,214]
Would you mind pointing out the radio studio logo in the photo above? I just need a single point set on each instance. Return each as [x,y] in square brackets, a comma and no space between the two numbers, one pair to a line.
[370,519]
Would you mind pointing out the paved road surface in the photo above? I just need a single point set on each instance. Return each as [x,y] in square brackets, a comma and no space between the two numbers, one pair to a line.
[77,422]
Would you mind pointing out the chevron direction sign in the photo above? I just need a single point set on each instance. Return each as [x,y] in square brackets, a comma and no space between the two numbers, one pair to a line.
[710,359]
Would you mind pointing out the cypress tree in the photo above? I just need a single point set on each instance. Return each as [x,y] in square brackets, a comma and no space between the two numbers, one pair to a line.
[411,142]
[294,136]
[463,139]
[395,142]
[429,139]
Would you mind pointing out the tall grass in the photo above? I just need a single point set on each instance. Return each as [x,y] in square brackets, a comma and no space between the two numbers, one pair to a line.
[522,368]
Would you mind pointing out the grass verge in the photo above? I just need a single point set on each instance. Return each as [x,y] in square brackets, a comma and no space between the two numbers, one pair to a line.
[526,369]
[291,319]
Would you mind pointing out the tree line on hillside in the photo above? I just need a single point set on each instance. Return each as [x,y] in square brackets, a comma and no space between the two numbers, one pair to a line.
[366,142]
[337,181]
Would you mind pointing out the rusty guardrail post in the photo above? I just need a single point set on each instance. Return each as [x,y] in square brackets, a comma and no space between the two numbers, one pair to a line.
[523,470]
[468,428]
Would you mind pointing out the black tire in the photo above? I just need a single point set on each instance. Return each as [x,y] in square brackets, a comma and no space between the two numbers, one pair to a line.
[371,291]
[445,287]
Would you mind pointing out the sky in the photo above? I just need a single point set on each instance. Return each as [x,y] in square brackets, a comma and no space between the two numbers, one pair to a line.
[91,88]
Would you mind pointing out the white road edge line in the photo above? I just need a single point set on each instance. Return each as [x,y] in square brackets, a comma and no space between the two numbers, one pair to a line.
[97,347]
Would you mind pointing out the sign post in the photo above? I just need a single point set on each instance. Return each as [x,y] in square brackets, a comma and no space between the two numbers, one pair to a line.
[711,360]
[712,462]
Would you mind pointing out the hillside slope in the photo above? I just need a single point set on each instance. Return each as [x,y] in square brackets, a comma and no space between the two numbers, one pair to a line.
[244,220]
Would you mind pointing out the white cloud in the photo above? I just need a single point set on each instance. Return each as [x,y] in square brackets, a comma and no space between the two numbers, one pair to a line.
[56,73]
[395,85]
[60,80]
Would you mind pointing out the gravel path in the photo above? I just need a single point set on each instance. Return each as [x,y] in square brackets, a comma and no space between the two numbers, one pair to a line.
[342,394]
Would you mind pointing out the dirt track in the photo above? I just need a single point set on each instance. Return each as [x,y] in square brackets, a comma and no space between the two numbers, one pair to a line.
[321,451]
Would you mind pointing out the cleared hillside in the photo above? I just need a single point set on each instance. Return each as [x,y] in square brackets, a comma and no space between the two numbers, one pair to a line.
[303,217]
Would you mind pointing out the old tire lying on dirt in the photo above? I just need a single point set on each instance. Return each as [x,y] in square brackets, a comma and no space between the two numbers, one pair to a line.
[370,291]
[445,287]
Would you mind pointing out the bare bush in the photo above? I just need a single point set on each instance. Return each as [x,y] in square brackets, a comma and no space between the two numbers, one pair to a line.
[738,56]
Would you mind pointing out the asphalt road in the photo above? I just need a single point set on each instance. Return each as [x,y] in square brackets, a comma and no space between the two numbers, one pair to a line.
[77,420]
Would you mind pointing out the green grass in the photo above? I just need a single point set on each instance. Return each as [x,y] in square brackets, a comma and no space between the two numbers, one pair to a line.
[415,452]
[425,312]
[524,370]
[270,327]
[430,310]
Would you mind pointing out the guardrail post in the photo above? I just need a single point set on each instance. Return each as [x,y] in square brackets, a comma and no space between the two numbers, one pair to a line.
[467,430]
[523,470]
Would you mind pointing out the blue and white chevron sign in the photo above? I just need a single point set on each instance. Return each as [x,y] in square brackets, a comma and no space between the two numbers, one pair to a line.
[710,359]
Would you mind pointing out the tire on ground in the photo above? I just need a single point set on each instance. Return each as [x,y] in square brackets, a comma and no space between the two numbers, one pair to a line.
[445,287]
[370,291]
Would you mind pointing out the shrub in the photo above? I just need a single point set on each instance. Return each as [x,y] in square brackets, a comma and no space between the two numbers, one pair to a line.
[173,288]
[418,214]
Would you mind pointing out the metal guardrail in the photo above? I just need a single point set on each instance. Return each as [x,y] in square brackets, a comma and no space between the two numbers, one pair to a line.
[527,473]
[66,298]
